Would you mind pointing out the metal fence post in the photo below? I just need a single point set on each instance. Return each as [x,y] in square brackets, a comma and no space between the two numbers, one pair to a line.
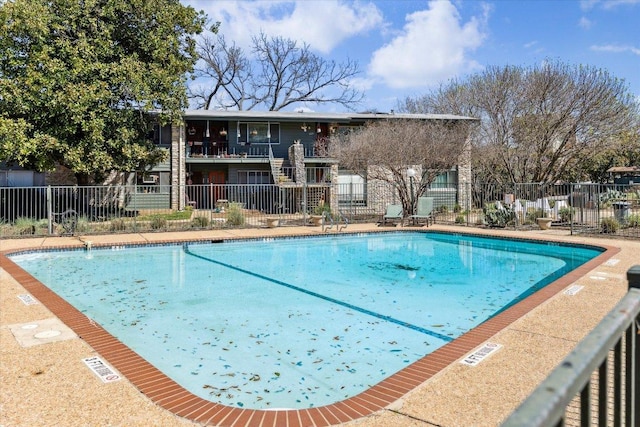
[49,213]
[572,214]
[304,202]
[632,401]
[633,276]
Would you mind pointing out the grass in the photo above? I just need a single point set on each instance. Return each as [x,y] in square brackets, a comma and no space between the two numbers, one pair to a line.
[171,216]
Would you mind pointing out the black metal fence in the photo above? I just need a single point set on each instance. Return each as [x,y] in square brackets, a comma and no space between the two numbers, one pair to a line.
[599,381]
[605,209]
[612,210]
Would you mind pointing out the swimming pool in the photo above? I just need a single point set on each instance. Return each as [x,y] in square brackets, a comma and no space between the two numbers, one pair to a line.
[319,319]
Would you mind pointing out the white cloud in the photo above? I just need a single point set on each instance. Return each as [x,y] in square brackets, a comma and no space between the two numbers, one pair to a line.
[606,4]
[432,47]
[588,4]
[585,23]
[323,24]
[616,48]
[611,4]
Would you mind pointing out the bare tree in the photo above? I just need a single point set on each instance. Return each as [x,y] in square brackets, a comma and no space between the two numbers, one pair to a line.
[223,71]
[385,150]
[538,123]
[284,74]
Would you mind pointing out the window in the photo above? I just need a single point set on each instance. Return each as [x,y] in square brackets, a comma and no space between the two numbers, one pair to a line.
[258,133]
[153,182]
[352,190]
[446,179]
[254,177]
[161,135]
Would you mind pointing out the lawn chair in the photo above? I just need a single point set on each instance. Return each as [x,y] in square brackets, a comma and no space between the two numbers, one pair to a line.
[393,214]
[424,211]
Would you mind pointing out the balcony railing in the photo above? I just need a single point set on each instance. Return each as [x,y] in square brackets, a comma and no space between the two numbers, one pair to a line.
[319,150]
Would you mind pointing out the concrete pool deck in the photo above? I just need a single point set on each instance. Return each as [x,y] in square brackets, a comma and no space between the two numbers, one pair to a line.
[48,384]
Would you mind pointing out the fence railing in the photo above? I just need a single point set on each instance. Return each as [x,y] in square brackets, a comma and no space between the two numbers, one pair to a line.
[581,208]
[610,209]
[599,382]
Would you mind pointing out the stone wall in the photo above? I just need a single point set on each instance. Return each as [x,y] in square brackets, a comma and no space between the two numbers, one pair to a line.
[464,177]
[296,158]
[178,166]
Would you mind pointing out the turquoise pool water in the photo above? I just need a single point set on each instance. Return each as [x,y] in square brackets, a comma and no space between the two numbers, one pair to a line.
[296,323]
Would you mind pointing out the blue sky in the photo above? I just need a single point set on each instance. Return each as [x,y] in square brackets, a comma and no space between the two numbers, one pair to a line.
[406,47]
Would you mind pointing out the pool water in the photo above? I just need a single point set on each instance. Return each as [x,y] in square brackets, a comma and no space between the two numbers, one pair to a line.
[297,323]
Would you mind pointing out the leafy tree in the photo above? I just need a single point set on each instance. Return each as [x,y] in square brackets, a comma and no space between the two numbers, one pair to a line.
[625,152]
[287,74]
[77,79]
[385,150]
[538,123]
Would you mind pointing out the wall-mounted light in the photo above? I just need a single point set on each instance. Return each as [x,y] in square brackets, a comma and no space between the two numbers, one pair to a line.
[223,132]
[304,127]
[239,134]
[206,132]
[254,131]
[319,130]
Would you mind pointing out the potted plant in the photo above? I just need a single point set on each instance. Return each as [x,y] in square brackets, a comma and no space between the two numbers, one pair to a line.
[319,213]
[544,222]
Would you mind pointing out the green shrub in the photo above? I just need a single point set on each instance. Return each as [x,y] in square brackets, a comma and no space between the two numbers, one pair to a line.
[321,209]
[633,221]
[25,226]
[606,199]
[532,215]
[609,225]
[566,214]
[460,219]
[158,222]
[457,208]
[200,222]
[494,217]
[83,225]
[235,216]
[6,230]
[118,224]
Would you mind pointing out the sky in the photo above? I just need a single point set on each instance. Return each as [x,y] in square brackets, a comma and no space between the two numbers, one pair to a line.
[405,48]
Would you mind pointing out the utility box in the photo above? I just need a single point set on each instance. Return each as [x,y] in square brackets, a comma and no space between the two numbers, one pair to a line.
[621,211]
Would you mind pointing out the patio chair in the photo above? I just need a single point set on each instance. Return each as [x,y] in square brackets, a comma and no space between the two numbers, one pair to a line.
[424,211]
[393,214]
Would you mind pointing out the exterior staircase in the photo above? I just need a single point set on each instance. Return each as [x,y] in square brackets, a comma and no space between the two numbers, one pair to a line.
[279,177]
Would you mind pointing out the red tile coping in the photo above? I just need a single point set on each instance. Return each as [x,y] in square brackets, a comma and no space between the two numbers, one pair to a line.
[168,394]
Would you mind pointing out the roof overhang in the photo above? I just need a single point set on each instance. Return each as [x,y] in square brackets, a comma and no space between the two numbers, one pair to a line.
[283,116]
[624,169]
